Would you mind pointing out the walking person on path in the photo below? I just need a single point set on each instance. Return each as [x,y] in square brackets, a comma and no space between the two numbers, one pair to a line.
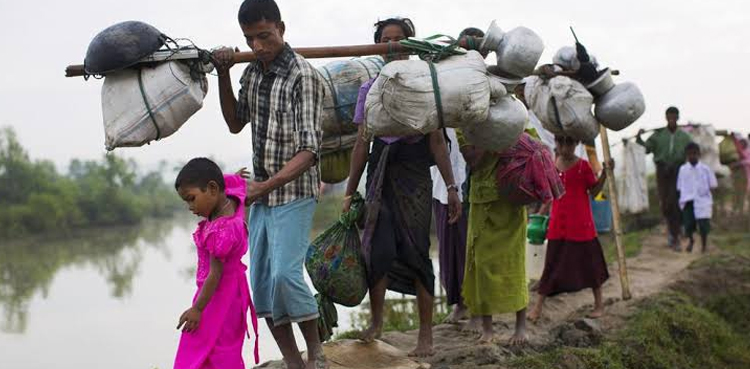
[574,258]
[396,238]
[281,97]
[668,146]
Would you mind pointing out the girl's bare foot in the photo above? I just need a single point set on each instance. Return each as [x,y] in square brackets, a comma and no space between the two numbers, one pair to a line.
[534,315]
[458,313]
[488,332]
[519,337]
[473,326]
[597,313]
[371,334]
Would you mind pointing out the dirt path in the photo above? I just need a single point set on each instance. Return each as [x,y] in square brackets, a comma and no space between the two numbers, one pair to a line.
[563,319]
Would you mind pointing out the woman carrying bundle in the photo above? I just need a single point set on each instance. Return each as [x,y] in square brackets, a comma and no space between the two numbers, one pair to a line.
[574,258]
[396,239]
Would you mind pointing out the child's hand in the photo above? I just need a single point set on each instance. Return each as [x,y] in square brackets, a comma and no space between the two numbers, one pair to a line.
[190,320]
[243,172]
[610,164]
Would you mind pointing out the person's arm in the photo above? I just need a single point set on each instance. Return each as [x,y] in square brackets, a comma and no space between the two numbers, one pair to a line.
[191,317]
[646,144]
[544,209]
[307,104]
[360,154]
[712,182]
[439,149]
[599,185]
[223,62]
[361,150]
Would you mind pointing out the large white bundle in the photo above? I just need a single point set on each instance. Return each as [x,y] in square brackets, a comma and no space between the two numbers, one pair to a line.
[343,80]
[632,194]
[503,127]
[705,136]
[171,93]
[620,107]
[402,99]
[566,99]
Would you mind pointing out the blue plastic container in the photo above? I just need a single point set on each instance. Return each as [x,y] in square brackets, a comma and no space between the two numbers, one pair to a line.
[602,211]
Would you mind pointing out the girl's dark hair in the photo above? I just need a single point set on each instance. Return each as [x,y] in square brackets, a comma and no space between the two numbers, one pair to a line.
[673,110]
[253,11]
[693,147]
[405,23]
[198,172]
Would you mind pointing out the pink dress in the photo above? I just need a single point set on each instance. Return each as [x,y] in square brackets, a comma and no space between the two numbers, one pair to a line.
[217,343]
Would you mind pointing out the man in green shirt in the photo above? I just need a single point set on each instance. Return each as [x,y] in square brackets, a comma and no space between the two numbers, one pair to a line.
[668,146]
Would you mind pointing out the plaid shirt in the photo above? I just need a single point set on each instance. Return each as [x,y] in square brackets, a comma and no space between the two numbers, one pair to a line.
[284,106]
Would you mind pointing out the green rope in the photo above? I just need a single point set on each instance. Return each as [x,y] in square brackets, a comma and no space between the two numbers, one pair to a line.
[433,51]
[436,91]
[148,106]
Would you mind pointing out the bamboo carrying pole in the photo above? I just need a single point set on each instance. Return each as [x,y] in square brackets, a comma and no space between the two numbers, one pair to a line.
[316,53]
[624,282]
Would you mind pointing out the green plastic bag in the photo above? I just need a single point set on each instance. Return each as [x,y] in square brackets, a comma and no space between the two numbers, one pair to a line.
[336,267]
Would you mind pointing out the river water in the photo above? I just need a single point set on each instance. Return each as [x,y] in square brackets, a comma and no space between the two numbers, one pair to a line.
[106,298]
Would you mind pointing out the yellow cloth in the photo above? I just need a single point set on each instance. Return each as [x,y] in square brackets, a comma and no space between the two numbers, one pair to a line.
[495,272]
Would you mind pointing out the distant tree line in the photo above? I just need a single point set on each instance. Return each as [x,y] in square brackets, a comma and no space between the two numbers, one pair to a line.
[36,199]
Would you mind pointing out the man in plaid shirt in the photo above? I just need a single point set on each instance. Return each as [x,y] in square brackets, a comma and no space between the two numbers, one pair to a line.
[281,96]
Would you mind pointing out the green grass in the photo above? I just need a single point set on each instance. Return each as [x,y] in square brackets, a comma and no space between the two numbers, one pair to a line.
[669,331]
[731,241]
[632,242]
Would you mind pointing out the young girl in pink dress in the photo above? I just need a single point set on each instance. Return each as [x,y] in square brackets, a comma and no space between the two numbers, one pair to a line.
[215,326]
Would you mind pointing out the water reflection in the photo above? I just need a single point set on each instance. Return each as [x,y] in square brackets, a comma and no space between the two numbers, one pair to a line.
[28,267]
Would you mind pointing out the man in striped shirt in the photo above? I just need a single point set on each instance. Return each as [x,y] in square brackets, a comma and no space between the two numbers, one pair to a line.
[281,97]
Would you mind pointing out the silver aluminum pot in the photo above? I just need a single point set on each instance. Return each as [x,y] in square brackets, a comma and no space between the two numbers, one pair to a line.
[603,84]
[620,107]
[519,52]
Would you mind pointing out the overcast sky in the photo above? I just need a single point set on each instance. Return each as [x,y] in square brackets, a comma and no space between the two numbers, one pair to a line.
[691,54]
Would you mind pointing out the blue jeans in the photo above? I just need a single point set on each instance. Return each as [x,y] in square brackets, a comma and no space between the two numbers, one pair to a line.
[279,239]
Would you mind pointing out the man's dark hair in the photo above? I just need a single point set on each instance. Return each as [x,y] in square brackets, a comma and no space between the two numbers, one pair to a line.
[471,31]
[199,172]
[253,11]
[693,147]
[405,23]
[673,110]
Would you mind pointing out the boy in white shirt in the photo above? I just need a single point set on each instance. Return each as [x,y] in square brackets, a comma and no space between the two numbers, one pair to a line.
[694,183]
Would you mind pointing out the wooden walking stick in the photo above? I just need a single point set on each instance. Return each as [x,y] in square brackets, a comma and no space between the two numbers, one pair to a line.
[624,282]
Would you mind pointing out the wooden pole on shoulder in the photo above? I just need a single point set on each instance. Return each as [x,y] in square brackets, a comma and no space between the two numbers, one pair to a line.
[616,225]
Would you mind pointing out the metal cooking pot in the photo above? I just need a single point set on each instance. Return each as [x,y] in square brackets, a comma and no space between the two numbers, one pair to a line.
[122,45]
[492,38]
[620,107]
[519,52]
[602,84]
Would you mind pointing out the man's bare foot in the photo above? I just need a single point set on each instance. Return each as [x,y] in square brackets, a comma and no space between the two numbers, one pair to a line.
[371,334]
[596,313]
[518,339]
[458,313]
[318,362]
[473,326]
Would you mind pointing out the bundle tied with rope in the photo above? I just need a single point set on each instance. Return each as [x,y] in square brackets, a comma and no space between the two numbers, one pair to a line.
[152,83]
[336,267]
[449,87]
